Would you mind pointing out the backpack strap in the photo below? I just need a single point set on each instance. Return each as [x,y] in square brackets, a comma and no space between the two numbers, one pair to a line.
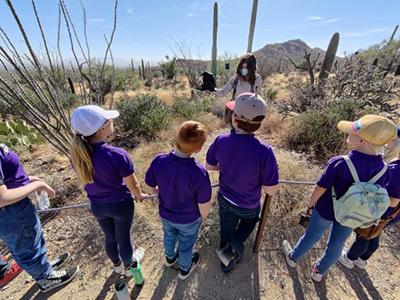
[352,168]
[394,213]
[234,85]
[379,175]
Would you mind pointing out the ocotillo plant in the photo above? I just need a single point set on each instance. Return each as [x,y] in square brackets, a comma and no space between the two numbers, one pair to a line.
[143,71]
[214,42]
[394,33]
[329,58]
[252,25]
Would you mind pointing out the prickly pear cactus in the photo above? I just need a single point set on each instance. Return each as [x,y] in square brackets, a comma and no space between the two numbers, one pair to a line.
[18,133]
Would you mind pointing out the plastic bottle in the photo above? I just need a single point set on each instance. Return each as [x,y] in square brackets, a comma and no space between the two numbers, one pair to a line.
[121,289]
[137,274]
[43,200]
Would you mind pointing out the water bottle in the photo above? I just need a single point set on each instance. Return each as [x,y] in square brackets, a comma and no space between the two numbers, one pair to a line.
[43,200]
[137,275]
[121,289]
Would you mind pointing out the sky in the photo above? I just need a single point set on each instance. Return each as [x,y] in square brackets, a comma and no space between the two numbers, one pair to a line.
[147,28]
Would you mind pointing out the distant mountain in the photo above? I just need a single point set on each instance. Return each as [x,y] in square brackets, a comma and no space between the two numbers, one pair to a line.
[271,54]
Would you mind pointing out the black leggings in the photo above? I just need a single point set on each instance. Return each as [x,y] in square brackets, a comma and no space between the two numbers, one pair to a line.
[116,221]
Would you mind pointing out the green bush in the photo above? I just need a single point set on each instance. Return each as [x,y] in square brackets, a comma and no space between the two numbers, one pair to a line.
[270,94]
[169,68]
[18,133]
[143,115]
[187,109]
[315,131]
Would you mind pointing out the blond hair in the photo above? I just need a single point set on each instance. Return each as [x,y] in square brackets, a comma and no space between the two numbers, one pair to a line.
[191,136]
[81,158]
[393,153]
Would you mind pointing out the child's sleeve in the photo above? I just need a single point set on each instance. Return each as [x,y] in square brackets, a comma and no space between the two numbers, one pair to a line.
[1,174]
[393,188]
[211,157]
[150,179]
[269,170]
[328,177]
[203,190]
[124,163]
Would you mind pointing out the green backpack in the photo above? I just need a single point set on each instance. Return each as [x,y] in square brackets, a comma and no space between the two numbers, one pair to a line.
[364,202]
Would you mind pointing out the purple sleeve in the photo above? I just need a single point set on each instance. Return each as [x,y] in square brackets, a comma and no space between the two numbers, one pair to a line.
[393,188]
[150,178]
[203,191]
[269,170]
[211,157]
[124,163]
[328,177]
[1,174]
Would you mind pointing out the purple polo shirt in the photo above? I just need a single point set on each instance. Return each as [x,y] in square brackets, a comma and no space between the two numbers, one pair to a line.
[337,174]
[183,183]
[394,186]
[245,165]
[111,165]
[12,173]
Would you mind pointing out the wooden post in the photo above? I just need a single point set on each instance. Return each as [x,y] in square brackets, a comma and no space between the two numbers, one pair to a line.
[261,224]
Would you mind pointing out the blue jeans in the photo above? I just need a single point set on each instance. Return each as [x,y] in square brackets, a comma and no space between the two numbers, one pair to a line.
[315,229]
[236,224]
[3,267]
[115,220]
[20,229]
[363,248]
[186,235]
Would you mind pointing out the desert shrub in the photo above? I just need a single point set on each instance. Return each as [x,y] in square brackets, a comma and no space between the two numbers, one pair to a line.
[315,131]
[187,109]
[169,68]
[143,115]
[18,134]
[270,93]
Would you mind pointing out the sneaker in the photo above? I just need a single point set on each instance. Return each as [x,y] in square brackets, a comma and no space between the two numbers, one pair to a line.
[195,261]
[345,261]
[360,263]
[59,261]
[315,275]
[169,262]
[12,272]
[232,264]
[287,250]
[119,268]
[225,255]
[57,279]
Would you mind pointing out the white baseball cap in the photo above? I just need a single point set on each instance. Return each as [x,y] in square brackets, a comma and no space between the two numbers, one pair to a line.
[88,119]
[247,107]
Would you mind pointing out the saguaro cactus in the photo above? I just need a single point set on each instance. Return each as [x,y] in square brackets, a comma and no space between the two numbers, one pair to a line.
[252,26]
[132,65]
[394,33]
[214,42]
[330,56]
[143,71]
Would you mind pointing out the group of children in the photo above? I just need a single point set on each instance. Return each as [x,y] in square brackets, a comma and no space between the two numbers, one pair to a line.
[246,167]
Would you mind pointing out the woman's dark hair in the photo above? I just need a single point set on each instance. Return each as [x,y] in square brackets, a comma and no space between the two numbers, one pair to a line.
[251,62]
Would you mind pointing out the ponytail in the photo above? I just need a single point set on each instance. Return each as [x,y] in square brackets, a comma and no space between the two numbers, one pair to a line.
[81,157]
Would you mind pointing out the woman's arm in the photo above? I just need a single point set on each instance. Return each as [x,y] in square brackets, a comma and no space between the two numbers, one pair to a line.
[11,196]
[226,88]
[316,195]
[134,186]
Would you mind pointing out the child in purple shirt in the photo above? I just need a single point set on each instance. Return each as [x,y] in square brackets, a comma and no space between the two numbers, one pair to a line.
[367,136]
[110,181]
[21,230]
[362,249]
[184,192]
[245,165]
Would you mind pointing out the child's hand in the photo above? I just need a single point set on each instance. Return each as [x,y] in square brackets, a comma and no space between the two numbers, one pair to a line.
[45,187]
[140,197]
[35,178]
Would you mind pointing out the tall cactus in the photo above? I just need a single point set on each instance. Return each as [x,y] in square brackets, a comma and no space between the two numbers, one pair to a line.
[132,65]
[143,71]
[214,42]
[394,33]
[330,56]
[252,26]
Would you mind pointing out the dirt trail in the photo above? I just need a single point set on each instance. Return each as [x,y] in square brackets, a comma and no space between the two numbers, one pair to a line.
[262,276]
